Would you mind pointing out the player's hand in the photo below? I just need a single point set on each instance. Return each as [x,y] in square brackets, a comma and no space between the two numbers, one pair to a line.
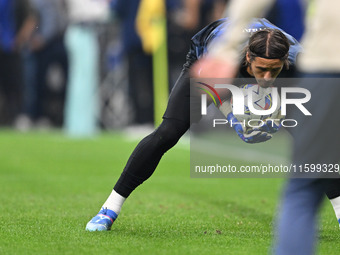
[249,136]
[270,126]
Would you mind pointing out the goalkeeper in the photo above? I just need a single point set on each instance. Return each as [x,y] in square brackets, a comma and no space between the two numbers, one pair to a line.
[270,52]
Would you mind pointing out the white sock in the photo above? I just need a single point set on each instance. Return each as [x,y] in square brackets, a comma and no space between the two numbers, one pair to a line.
[336,206]
[114,202]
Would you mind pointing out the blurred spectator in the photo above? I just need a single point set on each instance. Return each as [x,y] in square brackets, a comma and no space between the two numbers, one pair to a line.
[16,25]
[46,47]
[139,63]
[186,18]
[82,106]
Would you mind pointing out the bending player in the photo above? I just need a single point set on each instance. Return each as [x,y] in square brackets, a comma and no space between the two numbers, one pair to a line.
[268,51]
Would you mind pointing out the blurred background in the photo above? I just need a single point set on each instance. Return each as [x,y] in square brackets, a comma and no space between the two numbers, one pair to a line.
[85,66]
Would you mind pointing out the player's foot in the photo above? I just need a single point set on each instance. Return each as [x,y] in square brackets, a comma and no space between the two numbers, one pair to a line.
[102,221]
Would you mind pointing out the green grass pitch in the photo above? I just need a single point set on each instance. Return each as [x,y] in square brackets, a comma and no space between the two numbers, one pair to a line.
[50,186]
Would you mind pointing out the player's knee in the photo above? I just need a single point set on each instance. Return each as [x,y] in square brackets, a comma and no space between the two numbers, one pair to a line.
[169,132]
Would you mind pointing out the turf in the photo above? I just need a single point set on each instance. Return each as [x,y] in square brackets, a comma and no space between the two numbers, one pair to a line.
[52,185]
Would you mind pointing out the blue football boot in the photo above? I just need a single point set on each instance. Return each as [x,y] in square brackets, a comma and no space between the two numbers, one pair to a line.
[102,221]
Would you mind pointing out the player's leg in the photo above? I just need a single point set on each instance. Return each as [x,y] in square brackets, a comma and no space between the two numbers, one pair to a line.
[140,166]
[146,156]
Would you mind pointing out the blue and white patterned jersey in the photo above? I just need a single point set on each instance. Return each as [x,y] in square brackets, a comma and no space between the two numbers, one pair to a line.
[202,40]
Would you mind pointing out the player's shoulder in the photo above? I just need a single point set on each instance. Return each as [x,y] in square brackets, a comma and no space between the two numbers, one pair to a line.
[201,39]
[204,37]
[218,27]
[210,30]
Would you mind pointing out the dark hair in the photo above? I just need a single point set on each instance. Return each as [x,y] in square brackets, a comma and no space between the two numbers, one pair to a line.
[268,43]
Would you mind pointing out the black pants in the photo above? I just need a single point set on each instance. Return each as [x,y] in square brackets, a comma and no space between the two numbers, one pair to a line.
[141,85]
[10,86]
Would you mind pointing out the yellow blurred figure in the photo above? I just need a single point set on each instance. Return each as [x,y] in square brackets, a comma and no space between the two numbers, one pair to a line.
[150,24]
